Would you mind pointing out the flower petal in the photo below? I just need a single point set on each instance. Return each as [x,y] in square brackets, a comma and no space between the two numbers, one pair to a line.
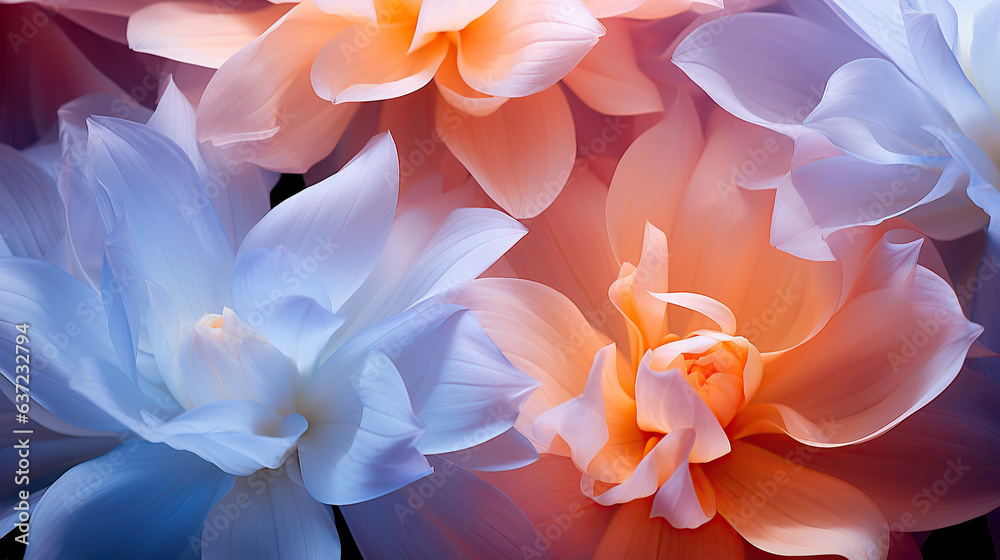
[362,445]
[262,102]
[32,216]
[195,33]
[239,192]
[750,67]
[940,457]
[509,450]
[790,511]
[902,335]
[521,154]
[871,110]
[240,437]
[279,520]
[540,332]
[609,80]
[130,488]
[149,178]
[522,47]
[450,514]
[380,69]
[676,140]
[463,246]
[548,491]
[54,305]
[334,231]
[632,534]
[666,402]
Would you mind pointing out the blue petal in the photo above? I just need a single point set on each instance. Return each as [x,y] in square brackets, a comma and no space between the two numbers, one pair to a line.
[332,234]
[509,450]
[267,516]
[238,191]
[450,514]
[138,501]
[67,324]
[179,243]
[871,110]
[239,437]
[468,242]
[944,78]
[32,217]
[360,449]
[767,68]
[462,387]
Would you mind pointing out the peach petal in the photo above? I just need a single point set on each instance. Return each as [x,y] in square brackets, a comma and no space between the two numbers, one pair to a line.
[523,47]
[521,154]
[365,63]
[790,511]
[633,535]
[196,33]
[540,332]
[609,80]
[261,99]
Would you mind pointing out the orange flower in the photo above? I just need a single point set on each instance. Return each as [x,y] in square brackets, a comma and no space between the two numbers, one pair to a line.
[706,388]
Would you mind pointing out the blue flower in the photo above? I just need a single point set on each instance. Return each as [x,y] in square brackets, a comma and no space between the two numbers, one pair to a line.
[254,368]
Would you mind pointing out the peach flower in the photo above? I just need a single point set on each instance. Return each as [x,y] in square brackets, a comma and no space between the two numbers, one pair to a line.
[292,76]
[702,390]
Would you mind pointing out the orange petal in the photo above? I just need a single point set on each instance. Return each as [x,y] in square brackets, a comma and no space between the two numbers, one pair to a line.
[540,332]
[198,34]
[903,339]
[795,511]
[458,94]
[521,47]
[368,63]
[652,177]
[521,154]
[609,80]
[633,535]
[567,248]
[262,101]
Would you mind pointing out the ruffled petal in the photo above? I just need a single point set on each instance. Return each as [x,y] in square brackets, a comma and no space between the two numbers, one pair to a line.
[767,68]
[871,110]
[901,335]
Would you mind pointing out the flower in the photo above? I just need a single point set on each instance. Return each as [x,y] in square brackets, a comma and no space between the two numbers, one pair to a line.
[495,64]
[306,361]
[896,120]
[705,388]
